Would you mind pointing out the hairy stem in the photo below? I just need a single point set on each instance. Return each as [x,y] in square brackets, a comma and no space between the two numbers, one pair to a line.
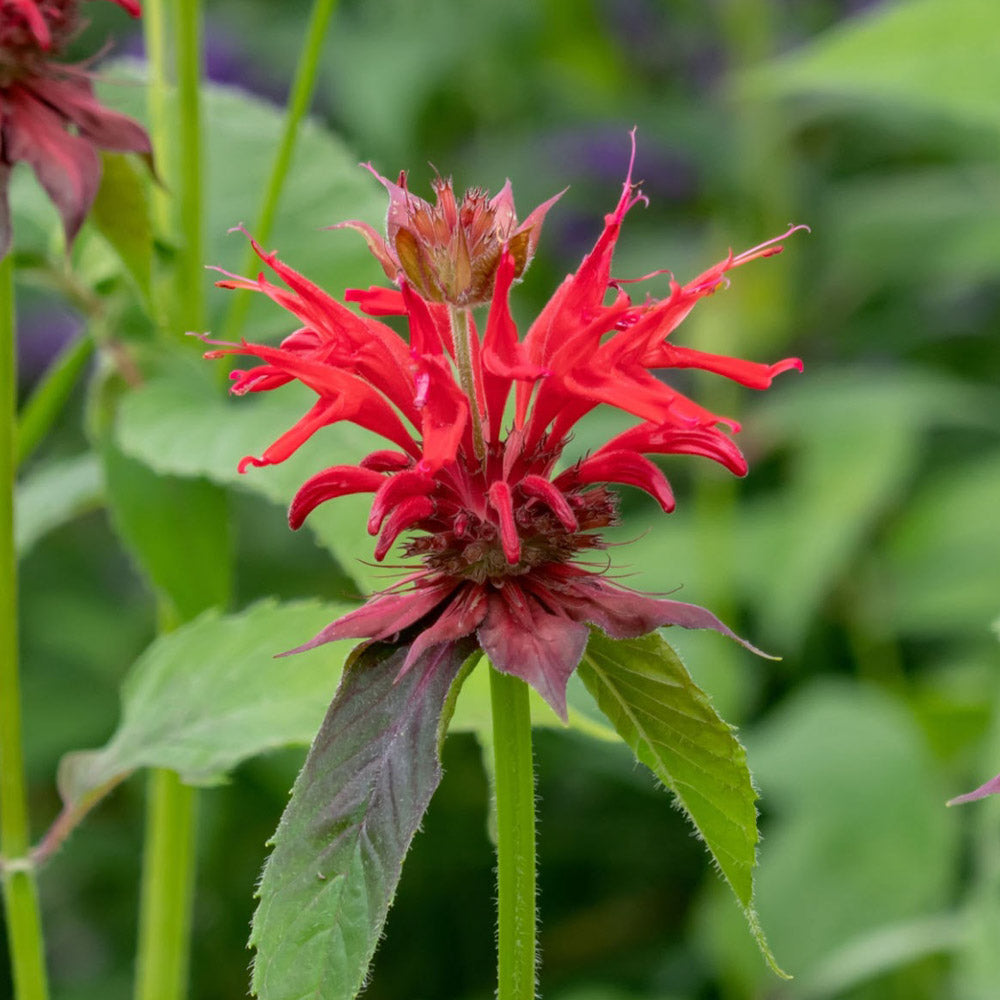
[20,891]
[299,99]
[515,817]
[460,334]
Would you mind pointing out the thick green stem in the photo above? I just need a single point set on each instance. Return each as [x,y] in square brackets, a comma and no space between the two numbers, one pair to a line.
[299,99]
[167,889]
[168,862]
[515,815]
[460,334]
[20,892]
[47,401]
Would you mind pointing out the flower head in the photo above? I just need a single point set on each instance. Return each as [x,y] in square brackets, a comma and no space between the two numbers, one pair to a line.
[471,487]
[450,251]
[49,116]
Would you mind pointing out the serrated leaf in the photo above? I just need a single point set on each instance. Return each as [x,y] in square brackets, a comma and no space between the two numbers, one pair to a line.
[177,530]
[121,212]
[668,721]
[53,494]
[355,807]
[210,694]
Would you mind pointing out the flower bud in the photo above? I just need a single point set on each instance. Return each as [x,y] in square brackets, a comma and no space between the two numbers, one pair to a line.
[450,251]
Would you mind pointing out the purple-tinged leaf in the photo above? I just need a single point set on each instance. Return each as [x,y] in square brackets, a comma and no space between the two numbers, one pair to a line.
[339,849]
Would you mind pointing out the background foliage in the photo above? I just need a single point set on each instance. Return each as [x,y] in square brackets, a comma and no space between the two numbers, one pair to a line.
[863,547]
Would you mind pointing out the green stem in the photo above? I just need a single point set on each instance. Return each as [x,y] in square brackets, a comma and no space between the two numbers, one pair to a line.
[154,30]
[167,892]
[167,889]
[515,815]
[299,99]
[191,266]
[20,891]
[46,402]
[460,334]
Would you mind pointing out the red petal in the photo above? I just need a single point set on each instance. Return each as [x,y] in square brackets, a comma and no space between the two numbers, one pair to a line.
[337,481]
[386,461]
[658,439]
[406,515]
[503,354]
[620,467]
[503,503]
[393,491]
[553,498]
[749,373]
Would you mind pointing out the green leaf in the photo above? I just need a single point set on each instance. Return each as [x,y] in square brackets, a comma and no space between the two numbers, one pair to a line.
[930,55]
[177,530]
[668,721]
[210,694]
[325,185]
[355,807]
[183,426]
[53,494]
[121,213]
[855,812]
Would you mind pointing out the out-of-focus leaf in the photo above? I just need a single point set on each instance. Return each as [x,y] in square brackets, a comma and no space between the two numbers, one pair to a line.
[185,427]
[177,530]
[943,555]
[876,223]
[856,436]
[668,721]
[355,807]
[325,185]
[855,812]
[121,213]
[210,694]
[53,494]
[927,54]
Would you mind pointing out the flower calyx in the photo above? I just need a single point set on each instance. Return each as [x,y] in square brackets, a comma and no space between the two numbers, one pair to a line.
[450,251]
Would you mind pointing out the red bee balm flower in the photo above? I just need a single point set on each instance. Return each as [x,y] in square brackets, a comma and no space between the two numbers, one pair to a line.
[478,426]
[49,116]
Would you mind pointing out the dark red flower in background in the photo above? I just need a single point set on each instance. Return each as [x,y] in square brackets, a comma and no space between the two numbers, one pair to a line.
[49,116]
[495,528]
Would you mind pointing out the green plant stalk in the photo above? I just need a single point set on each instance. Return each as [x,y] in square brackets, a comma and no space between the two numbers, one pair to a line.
[46,402]
[20,891]
[167,889]
[167,893]
[515,817]
[299,99]
[154,32]
[191,265]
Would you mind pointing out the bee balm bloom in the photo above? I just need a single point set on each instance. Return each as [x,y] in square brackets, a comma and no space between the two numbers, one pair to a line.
[470,486]
[49,117]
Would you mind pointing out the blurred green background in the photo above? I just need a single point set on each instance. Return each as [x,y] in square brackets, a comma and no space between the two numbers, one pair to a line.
[864,547]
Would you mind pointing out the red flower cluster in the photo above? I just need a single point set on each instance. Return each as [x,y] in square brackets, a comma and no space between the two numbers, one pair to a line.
[49,117]
[478,426]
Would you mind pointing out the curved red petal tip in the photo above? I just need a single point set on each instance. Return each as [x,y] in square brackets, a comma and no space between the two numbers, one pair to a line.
[787,365]
[248,460]
[132,6]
